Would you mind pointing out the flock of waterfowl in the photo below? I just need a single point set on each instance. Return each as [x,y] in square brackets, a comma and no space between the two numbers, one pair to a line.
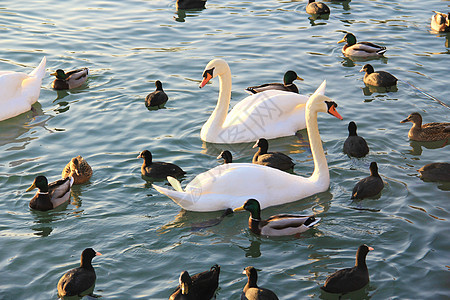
[269,178]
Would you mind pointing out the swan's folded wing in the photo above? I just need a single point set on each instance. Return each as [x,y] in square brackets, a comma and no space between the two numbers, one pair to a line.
[11,85]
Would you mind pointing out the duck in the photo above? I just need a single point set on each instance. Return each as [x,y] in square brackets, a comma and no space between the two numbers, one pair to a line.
[158,170]
[69,80]
[190,4]
[287,85]
[252,291]
[227,157]
[438,171]
[361,49]
[277,225]
[246,122]
[156,98]
[79,169]
[436,131]
[20,90]
[50,196]
[440,22]
[230,185]
[350,279]
[79,281]
[317,8]
[276,160]
[380,78]
[369,186]
[201,286]
[355,145]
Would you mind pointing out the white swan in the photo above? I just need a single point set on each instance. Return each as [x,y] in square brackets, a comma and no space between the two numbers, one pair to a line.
[19,90]
[230,185]
[268,114]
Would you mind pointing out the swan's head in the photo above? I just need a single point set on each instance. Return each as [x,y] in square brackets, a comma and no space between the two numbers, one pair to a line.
[321,103]
[215,67]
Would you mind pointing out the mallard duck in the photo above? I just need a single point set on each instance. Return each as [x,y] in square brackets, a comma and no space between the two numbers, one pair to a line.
[355,145]
[243,123]
[227,157]
[277,225]
[230,185]
[317,8]
[158,97]
[362,49]
[19,90]
[158,169]
[427,132]
[435,172]
[79,281]
[287,85]
[201,286]
[380,78]
[190,4]
[69,80]
[440,22]
[50,196]
[251,290]
[276,160]
[79,169]
[369,186]
[350,279]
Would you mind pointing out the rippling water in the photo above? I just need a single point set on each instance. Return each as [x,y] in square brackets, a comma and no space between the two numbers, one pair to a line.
[145,238]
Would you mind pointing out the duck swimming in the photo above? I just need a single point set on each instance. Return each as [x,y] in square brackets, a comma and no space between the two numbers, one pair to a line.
[285,112]
[369,186]
[440,22]
[20,90]
[69,80]
[230,185]
[355,145]
[317,8]
[361,49]
[190,4]
[252,291]
[79,169]
[50,196]
[380,78]
[158,97]
[158,170]
[276,160]
[350,279]
[227,157]
[277,225]
[287,85]
[435,172]
[201,286]
[436,131]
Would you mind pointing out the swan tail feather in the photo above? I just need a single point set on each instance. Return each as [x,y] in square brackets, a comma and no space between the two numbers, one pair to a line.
[175,183]
[321,89]
[39,72]
[181,198]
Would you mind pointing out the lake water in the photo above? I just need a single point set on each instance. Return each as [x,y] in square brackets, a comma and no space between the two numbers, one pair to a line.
[145,238]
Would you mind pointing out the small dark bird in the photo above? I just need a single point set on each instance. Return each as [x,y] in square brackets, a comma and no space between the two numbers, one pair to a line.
[158,169]
[275,160]
[190,4]
[380,78]
[69,80]
[79,281]
[201,286]
[350,279]
[251,290]
[287,85]
[156,98]
[317,8]
[226,155]
[427,132]
[50,196]
[355,145]
[369,186]
[435,172]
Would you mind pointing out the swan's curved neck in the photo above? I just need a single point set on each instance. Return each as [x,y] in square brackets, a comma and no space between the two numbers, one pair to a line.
[219,114]
[321,172]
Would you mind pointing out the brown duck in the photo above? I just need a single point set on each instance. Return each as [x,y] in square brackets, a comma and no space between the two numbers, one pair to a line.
[426,132]
[79,169]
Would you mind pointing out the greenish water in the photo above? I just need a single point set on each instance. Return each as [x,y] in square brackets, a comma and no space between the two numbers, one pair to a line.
[145,238]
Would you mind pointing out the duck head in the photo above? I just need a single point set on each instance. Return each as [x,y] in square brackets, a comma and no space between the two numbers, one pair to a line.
[349,38]
[290,76]
[185,282]
[252,206]
[60,74]
[367,68]
[39,182]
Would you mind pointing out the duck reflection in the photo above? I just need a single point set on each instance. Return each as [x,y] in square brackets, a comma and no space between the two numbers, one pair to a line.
[368,90]
[42,225]
[417,146]
[253,250]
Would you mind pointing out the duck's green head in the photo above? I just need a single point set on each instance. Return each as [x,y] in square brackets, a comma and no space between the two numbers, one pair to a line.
[349,38]
[39,182]
[290,76]
[60,74]
[251,205]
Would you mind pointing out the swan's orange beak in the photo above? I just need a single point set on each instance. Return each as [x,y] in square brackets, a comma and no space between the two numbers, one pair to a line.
[205,80]
[332,110]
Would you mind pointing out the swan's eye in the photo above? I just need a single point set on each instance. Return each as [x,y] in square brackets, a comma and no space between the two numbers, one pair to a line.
[330,104]
[208,72]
